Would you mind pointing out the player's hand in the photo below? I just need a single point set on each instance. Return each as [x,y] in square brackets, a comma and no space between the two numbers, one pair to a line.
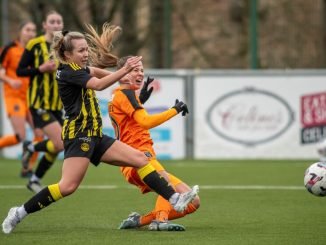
[145,93]
[132,62]
[48,66]
[15,84]
[126,79]
[181,107]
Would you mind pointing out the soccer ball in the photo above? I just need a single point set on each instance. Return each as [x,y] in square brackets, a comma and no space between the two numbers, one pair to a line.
[321,150]
[315,179]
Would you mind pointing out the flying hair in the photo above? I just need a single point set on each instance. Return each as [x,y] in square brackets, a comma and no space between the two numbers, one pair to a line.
[100,46]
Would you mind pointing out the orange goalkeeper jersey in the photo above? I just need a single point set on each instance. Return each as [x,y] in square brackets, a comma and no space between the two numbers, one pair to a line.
[121,109]
[10,58]
[131,124]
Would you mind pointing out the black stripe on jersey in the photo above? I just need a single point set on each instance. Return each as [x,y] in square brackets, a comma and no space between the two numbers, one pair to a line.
[115,127]
[43,89]
[132,98]
[88,122]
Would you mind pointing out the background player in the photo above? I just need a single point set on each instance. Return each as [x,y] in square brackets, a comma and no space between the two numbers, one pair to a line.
[15,90]
[43,98]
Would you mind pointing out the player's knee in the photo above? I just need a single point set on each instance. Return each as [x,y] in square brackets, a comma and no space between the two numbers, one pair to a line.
[68,189]
[140,159]
[20,137]
[58,146]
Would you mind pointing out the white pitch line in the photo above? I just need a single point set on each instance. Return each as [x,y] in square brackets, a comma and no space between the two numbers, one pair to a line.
[202,187]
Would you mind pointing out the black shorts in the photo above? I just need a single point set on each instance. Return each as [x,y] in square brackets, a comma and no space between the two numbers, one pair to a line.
[42,118]
[91,147]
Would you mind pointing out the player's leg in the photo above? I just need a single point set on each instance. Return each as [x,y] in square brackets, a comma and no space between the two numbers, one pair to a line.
[73,172]
[16,115]
[50,124]
[38,137]
[45,163]
[161,203]
[161,210]
[52,146]
[18,124]
[121,154]
[182,187]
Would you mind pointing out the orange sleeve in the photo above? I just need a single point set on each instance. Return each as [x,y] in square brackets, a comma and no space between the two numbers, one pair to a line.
[150,121]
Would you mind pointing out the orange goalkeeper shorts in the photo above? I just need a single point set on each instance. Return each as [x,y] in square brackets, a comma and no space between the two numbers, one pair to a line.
[16,107]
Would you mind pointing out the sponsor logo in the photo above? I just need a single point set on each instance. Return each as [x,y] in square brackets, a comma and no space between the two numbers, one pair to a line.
[313,117]
[16,107]
[58,74]
[84,147]
[250,116]
[85,139]
[45,117]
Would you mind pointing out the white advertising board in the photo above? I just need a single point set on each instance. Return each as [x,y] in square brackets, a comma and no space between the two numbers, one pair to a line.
[259,116]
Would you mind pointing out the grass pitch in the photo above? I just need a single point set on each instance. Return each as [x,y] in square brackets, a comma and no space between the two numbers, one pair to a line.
[242,202]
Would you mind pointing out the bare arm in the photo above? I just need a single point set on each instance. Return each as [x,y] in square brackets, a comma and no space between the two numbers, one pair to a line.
[98,72]
[14,83]
[108,80]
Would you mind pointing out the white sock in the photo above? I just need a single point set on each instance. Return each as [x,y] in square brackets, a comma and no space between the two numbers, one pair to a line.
[30,147]
[174,198]
[34,178]
[22,212]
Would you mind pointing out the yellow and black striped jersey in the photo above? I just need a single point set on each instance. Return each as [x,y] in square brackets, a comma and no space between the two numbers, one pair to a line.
[83,115]
[43,87]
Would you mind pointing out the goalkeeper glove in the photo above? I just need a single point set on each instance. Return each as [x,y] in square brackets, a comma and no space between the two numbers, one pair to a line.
[181,107]
[145,93]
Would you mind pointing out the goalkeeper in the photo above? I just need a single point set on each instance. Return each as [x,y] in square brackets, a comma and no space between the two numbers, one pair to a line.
[131,123]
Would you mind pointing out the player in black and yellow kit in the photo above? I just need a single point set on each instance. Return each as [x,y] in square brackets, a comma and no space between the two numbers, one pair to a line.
[82,134]
[43,98]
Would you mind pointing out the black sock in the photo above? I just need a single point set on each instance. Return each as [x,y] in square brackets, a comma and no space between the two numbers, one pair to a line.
[44,164]
[39,201]
[157,183]
[41,146]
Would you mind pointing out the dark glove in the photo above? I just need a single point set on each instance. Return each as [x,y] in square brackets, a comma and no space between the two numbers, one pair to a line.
[145,93]
[181,107]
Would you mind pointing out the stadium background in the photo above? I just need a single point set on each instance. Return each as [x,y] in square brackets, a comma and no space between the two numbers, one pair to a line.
[253,75]
[189,41]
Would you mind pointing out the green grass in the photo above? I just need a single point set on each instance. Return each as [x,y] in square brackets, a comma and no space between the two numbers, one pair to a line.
[226,216]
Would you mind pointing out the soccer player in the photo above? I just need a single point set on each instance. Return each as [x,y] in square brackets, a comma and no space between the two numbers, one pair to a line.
[15,89]
[82,134]
[131,124]
[43,98]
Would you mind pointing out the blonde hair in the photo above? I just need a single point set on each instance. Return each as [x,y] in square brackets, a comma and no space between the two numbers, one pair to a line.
[100,46]
[62,41]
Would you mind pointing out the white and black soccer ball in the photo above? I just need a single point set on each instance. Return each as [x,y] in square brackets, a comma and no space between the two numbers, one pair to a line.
[321,150]
[315,179]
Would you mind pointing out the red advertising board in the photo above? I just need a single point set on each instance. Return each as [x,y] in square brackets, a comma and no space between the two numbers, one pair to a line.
[313,110]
